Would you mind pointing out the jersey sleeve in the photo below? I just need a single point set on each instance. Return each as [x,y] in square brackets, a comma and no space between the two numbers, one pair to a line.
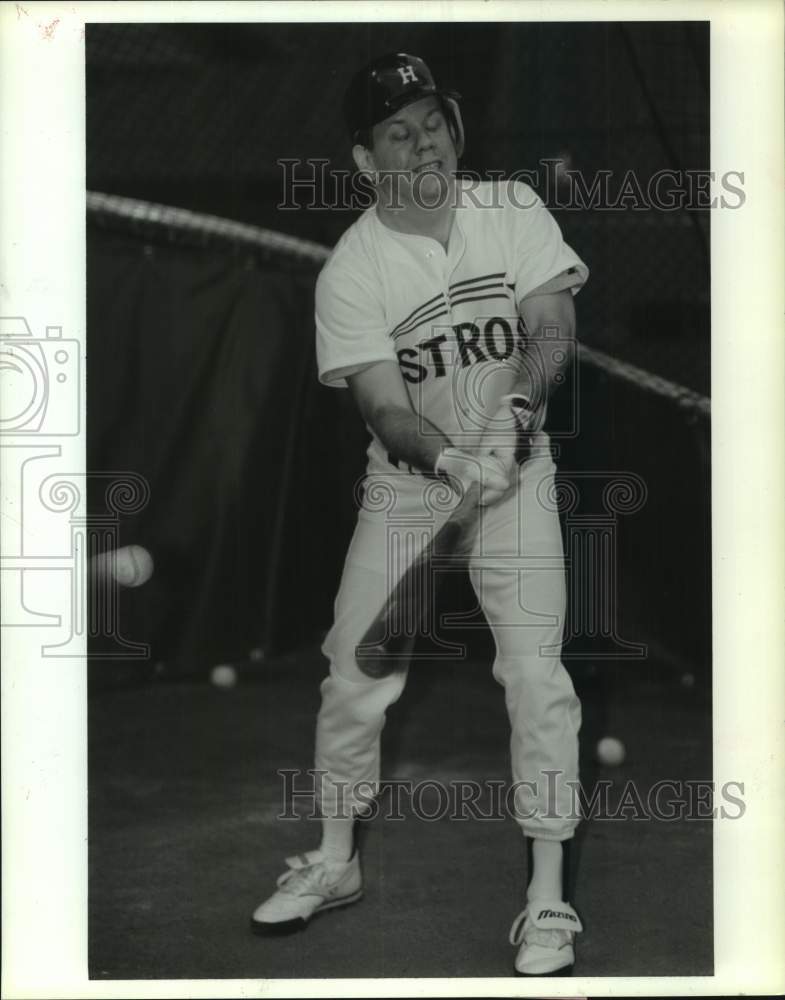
[351,327]
[543,262]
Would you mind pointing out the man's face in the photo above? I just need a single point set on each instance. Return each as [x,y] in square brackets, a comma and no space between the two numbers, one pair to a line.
[417,142]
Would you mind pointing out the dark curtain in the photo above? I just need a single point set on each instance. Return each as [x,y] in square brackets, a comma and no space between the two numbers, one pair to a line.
[201,378]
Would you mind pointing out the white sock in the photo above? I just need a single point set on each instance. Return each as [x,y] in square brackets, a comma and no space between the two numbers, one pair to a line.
[546,877]
[337,838]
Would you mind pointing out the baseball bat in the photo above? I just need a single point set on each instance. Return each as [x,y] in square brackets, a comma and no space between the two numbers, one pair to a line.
[388,642]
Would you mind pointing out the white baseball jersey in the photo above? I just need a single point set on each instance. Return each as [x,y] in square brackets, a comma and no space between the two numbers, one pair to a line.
[450,319]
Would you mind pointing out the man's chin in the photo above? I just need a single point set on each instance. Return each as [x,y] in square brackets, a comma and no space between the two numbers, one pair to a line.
[430,188]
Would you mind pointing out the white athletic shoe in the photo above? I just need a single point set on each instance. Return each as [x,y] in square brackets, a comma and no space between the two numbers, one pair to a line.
[545,932]
[312,884]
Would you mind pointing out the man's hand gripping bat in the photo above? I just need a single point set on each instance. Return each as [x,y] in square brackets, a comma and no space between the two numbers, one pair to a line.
[387,644]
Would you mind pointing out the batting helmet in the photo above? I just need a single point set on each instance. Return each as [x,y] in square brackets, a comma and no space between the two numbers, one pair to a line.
[388,84]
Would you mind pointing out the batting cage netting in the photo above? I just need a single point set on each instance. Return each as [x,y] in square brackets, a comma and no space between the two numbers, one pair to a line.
[200,285]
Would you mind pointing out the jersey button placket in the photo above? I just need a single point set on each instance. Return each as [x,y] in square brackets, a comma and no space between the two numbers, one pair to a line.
[451,261]
[447,270]
[430,256]
[450,265]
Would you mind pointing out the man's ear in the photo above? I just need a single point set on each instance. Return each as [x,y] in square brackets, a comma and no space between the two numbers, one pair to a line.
[363,157]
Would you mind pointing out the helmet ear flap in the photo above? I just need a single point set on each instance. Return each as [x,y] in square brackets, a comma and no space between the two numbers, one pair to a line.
[456,123]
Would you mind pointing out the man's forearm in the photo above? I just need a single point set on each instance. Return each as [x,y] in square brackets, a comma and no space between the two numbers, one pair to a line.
[536,377]
[550,321]
[409,436]
[537,371]
[540,374]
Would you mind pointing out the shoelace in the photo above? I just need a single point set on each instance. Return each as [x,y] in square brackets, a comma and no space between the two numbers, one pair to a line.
[536,935]
[304,879]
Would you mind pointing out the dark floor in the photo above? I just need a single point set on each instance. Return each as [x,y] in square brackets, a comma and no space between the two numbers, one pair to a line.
[184,841]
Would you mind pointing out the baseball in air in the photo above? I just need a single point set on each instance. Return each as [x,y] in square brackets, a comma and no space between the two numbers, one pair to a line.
[610,751]
[223,676]
[130,566]
[133,566]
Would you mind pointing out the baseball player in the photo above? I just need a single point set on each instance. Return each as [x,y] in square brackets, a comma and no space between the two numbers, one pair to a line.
[439,309]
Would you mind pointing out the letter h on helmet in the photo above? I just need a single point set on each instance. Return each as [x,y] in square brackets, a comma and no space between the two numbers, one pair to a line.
[388,84]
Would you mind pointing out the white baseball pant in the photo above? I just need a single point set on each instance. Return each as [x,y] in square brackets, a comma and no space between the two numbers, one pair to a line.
[517,571]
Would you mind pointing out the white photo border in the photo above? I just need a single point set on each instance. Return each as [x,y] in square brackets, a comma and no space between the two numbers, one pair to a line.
[44,701]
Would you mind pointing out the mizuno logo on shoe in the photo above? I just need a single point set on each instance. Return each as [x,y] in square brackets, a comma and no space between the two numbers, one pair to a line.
[556,913]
